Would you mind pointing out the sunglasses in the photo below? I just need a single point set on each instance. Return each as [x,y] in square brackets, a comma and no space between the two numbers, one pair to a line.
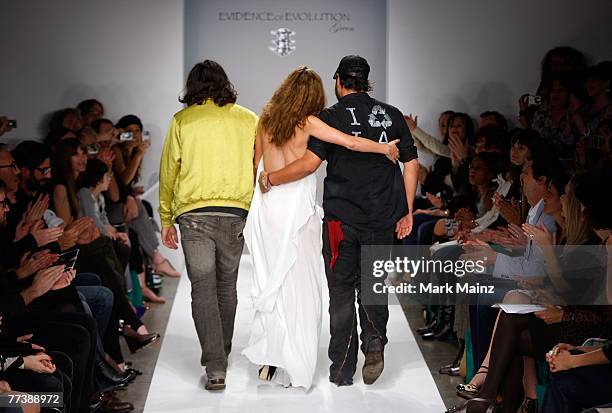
[44,171]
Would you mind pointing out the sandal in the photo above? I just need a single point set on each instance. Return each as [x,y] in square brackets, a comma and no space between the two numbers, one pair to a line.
[469,390]
[267,372]
[464,407]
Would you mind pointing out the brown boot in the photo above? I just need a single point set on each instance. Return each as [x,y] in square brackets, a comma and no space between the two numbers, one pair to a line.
[374,362]
[113,404]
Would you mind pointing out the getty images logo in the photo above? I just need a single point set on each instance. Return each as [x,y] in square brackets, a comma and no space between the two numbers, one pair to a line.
[283,43]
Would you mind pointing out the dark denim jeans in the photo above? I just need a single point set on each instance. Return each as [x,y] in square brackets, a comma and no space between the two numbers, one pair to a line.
[213,246]
[344,283]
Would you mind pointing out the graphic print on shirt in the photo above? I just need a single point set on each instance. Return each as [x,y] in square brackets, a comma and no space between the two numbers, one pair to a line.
[383,121]
[355,122]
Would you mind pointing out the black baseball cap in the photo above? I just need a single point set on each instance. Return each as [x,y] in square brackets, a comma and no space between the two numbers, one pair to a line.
[353,66]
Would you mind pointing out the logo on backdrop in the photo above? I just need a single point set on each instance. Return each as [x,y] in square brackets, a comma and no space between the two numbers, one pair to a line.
[339,22]
[283,43]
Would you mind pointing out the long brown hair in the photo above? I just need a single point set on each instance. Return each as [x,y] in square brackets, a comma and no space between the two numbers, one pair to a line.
[299,96]
[62,170]
[577,229]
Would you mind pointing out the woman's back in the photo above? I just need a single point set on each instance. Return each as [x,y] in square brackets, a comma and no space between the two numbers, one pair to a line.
[277,157]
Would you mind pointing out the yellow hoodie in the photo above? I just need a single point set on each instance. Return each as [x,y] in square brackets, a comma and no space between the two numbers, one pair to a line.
[207,160]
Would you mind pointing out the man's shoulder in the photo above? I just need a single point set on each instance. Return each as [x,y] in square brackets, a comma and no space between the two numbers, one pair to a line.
[390,109]
[242,112]
[233,110]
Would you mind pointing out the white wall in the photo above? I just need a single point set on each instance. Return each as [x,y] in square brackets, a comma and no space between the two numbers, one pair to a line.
[479,54]
[127,54]
[441,54]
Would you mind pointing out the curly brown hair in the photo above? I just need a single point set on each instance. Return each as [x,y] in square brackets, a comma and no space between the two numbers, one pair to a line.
[299,96]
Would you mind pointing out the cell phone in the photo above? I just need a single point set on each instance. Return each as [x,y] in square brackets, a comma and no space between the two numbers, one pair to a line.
[126,136]
[146,135]
[68,259]
[12,123]
[533,100]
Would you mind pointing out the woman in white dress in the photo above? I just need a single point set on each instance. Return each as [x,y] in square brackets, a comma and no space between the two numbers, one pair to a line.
[283,233]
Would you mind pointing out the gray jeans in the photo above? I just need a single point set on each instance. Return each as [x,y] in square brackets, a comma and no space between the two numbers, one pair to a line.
[213,246]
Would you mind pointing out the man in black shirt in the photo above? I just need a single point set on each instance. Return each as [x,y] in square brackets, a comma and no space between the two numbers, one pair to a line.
[366,197]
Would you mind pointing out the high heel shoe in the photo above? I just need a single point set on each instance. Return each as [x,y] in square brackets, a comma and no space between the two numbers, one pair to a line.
[469,391]
[464,407]
[267,372]
[137,341]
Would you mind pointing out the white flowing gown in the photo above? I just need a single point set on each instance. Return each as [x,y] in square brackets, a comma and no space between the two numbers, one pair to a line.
[283,234]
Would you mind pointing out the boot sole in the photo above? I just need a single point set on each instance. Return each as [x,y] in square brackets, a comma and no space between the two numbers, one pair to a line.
[215,387]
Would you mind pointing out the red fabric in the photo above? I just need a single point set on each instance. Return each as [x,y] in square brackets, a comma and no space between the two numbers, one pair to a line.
[336,235]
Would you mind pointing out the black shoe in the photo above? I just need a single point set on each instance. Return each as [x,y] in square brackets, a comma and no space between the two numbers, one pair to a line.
[107,377]
[428,328]
[341,381]
[450,370]
[454,368]
[444,331]
[529,406]
[374,361]
[105,371]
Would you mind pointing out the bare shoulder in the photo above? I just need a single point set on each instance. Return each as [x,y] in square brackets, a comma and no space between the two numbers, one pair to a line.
[60,190]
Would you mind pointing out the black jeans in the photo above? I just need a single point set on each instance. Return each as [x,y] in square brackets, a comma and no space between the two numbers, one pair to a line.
[73,334]
[344,283]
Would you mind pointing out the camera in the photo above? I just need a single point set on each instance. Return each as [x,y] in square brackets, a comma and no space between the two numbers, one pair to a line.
[12,123]
[93,149]
[126,136]
[534,100]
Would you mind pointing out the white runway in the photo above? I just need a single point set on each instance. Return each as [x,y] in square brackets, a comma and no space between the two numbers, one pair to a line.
[405,385]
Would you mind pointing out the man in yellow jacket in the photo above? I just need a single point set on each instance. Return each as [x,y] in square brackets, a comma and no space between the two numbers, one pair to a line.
[206,185]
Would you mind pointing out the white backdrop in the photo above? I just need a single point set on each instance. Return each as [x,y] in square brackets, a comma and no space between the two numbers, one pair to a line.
[127,54]
[476,55]
[236,33]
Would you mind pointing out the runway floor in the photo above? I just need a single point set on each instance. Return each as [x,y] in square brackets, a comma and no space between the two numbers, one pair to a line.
[406,385]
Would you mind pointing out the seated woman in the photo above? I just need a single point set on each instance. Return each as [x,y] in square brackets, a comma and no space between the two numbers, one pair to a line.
[445,180]
[519,335]
[96,180]
[129,155]
[581,375]
[96,253]
[552,206]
